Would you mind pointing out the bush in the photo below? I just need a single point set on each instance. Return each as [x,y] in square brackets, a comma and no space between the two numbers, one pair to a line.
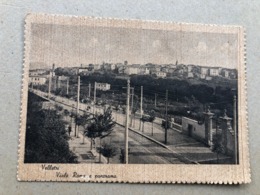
[108,151]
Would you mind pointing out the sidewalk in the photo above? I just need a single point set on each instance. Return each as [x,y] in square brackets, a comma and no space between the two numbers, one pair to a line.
[83,150]
[182,144]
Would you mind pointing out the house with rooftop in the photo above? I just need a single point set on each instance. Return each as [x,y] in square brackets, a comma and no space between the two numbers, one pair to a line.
[160,74]
[37,80]
[130,70]
[103,86]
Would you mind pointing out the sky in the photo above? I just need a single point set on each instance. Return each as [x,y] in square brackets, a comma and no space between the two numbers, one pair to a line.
[68,46]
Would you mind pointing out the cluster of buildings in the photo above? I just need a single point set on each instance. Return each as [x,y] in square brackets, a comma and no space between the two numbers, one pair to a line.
[160,71]
[40,76]
[207,73]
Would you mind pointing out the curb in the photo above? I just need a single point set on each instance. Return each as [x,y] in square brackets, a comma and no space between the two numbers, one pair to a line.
[180,157]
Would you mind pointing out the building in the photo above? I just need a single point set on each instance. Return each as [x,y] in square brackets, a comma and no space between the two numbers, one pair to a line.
[95,66]
[209,72]
[171,70]
[208,78]
[85,71]
[121,69]
[85,65]
[202,76]
[214,71]
[144,71]
[165,69]
[170,66]
[204,71]
[37,80]
[103,86]
[190,68]
[107,66]
[38,72]
[190,75]
[160,74]
[226,74]
[155,69]
[131,70]
[61,79]
[193,128]
[119,65]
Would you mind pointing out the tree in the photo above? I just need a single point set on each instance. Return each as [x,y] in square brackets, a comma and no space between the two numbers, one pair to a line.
[66,112]
[217,145]
[83,120]
[108,151]
[46,137]
[101,125]
[168,124]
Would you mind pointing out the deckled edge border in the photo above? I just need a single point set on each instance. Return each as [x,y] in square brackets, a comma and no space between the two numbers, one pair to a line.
[244,88]
[25,58]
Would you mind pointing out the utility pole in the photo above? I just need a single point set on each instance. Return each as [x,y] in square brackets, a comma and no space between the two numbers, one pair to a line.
[155,99]
[49,90]
[67,92]
[141,104]
[132,104]
[127,121]
[54,83]
[166,115]
[141,107]
[89,90]
[77,112]
[95,90]
[235,126]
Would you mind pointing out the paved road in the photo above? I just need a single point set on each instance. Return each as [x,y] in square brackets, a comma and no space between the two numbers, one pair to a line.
[142,150]
[183,145]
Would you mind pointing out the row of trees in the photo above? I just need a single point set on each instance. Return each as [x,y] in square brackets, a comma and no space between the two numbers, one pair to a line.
[98,126]
[178,89]
[186,98]
[46,136]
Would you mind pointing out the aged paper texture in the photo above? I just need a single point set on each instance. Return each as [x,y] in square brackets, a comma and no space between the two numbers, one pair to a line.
[110,100]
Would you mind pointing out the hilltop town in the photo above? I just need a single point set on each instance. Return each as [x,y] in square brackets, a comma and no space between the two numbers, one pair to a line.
[194,102]
[176,70]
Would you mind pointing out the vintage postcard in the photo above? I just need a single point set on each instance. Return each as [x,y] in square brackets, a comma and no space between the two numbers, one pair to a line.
[111,100]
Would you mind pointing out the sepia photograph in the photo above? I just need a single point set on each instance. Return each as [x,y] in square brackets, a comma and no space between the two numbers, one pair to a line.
[138,96]
[110,100]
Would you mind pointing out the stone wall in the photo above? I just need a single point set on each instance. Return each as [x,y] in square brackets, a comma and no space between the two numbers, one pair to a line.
[193,129]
